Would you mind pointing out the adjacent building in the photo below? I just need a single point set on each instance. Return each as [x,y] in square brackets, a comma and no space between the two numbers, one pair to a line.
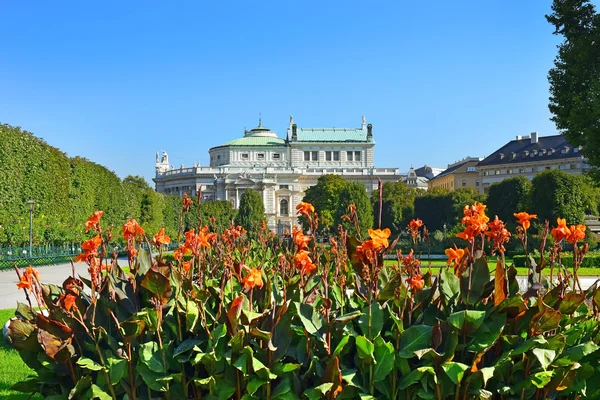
[462,173]
[528,155]
[281,169]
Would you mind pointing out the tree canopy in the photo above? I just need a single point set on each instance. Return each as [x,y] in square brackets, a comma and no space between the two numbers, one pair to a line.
[397,206]
[505,206]
[557,194]
[324,196]
[251,211]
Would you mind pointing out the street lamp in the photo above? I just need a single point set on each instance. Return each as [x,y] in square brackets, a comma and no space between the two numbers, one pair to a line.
[444,232]
[31,205]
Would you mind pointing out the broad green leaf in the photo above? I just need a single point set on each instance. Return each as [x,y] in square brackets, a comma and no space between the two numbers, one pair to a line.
[467,320]
[455,371]
[414,376]
[417,337]
[348,317]
[90,364]
[488,333]
[341,345]
[143,262]
[479,278]
[544,356]
[157,284]
[185,346]
[384,359]
[116,369]
[192,314]
[255,384]
[365,348]
[541,379]
[151,356]
[242,363]
[575,353]
[571,302]
[449,285]
[311,319]
[371,320]
[98,393]
[528,344]
[261,370]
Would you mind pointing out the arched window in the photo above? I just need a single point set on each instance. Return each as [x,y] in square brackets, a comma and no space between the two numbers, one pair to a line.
[283,207]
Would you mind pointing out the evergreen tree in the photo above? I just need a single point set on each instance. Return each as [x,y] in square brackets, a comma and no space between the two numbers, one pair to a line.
[251,212]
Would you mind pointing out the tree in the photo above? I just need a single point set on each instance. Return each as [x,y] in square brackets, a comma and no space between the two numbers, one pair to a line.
[508,197]
[324,196]
[556,194]
[575,78]
[251,211]
[439,207]
[397,206]
[221,211]
[354,193]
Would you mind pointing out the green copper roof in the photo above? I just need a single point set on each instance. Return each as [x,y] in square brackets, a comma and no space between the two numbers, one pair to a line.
[256,141]
[331,135]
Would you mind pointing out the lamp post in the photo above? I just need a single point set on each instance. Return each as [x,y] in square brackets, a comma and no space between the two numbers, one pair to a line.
[444,232]
[31,205]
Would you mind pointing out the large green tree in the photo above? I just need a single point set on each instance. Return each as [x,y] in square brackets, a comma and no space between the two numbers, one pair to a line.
[439,207]
[324,196]
[354,193]
[556,194]
[222,212]
[251,211]
[575,78]
[508,197]
[397,206]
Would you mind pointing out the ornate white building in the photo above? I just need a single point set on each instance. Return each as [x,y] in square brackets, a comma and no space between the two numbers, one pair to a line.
[280,169]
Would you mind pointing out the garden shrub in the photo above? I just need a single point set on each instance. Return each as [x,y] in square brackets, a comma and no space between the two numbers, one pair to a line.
[252,318]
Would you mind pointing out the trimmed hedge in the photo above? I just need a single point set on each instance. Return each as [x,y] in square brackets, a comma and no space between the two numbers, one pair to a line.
[591,260]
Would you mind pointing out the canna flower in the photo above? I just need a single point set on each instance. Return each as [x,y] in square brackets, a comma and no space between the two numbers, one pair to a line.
[24,283]
[300,239]
[187,265]
[454,254]
[561,231]
[468,234]
[524,219]
[498,235]
[131,229]
[253,278]
[67,301]
[93,222]
[160,238]
[380,237]
[415,224]
[474,220]
[416,283]
[305,209]
[303,262]
[576,234]
[187,202]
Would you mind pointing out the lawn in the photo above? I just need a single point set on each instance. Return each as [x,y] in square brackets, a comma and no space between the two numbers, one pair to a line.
[436,264]
[12,368]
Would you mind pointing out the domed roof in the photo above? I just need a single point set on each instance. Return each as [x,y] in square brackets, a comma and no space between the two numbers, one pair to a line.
[259,136]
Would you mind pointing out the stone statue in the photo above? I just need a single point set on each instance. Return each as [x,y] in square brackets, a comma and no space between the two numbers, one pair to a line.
[291,120]
[165,158]
[181,166]
[157,159]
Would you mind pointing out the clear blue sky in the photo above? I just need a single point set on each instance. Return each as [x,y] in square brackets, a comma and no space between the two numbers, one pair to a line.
[117,81]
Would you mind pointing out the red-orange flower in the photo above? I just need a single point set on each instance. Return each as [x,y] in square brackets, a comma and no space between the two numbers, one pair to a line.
[303,262]
[415,224]
[468,234]
[27,279]
[300,239]
[380,237]
[524,219]
[187,265]
[474,220]
[253,278]
[454,255]
[131,229]
[498,235]
[416,282]
[93,222]
[305,208]
[90,249]
[67,301]
[561,231]
[576,234]
[187,202]
[160,238]
[24,283]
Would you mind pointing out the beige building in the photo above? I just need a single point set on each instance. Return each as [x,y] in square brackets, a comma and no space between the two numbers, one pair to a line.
[462,173]
[528,155]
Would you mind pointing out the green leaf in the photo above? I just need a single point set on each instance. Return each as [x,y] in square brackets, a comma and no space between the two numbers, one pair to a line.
[544,356]
[528,344]
[90,364]
[144,262]
[571,302]
[576,353]
[242,363]
[185,346]
[541,379]
[479,278]
[455,371]
[151,357]
[384,359]
[417,337]
[467,320]
[376,313]
[348,317]
[255,384]
[261,370]
[414,376]
[365,348]
[449,285]
[341,345]
[192,314]
[311,319]
[100,394]
[157,284]
[116,369]
[488,333]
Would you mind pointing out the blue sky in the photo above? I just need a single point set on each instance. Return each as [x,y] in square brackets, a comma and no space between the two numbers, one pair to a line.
[117,81]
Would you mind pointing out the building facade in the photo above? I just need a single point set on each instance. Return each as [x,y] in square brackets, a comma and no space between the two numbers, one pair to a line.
[529,155]
[462,173]
[281,169]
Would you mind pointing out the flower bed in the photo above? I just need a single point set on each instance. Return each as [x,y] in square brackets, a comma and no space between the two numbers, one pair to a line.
[235,316]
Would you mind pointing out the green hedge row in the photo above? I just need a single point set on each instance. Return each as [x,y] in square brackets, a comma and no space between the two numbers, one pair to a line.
[591,260]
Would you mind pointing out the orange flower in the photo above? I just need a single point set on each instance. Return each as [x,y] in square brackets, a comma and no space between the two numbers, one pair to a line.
[415,224]
[187,265]
[303,262]
[254,278]
[187,202]
[160,238]
[305,209]
[475,221]
[524,219]
[498,235]
[90,249]
[93,222]
[454,254]
[67,301]
[380,237]
[300,239]
[32,273]
[416,283]
[24,283]
[561,231]
[468,234]
[131,229]
[576,234]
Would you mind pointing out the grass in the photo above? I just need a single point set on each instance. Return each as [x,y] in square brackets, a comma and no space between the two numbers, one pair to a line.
[436,264]
[12,368]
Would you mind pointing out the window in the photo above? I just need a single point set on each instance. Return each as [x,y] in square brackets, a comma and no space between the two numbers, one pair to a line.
[573,166]
[327,156]
[477,183]
[357,156]
[547,168]
[349,155]
[336,156]
[276,156]
[284,186]
[562,166]
[315,156]
[260,156]
[219,157]
[245,156]
[283,207]
[470,169]
[464,182]
[576,149]
[496,172]
[486,173]
[307,156]
[521,170]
